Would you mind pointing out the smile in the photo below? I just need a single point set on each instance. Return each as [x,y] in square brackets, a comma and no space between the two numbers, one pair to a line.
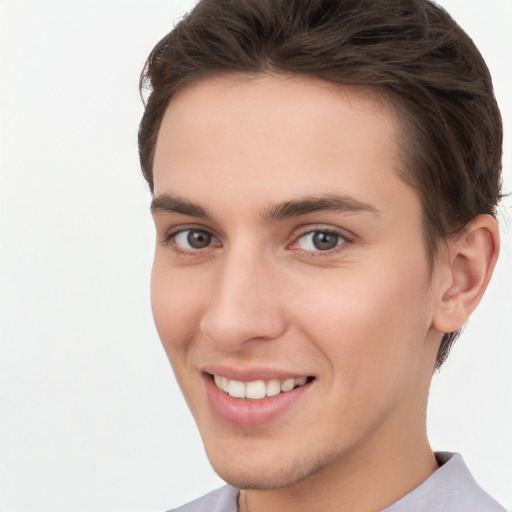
[257,389]
[260,397]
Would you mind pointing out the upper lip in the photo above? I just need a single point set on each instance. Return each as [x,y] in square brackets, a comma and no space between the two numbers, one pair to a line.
[249,374]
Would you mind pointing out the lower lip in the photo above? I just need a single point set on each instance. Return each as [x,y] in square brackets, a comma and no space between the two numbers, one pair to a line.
[250,413]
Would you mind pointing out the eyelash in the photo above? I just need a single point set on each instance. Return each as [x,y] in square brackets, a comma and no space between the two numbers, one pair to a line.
[343,240]
[170,239]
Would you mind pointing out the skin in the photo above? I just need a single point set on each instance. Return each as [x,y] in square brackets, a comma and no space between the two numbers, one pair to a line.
[364,318]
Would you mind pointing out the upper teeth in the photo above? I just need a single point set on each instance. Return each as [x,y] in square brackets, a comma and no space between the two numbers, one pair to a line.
[257,388]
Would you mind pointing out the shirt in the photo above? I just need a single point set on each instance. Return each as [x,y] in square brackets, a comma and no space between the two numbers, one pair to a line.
[451,488]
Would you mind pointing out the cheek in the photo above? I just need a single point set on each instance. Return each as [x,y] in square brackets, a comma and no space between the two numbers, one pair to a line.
[176,304]
[371,338]
[368,323]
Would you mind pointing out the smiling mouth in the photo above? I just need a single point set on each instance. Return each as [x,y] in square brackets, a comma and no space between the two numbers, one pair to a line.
[258,389]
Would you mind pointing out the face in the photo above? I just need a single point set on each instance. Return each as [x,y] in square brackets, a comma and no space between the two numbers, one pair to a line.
[291,288]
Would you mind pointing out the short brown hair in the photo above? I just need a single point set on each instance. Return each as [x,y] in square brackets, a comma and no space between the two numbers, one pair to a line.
[411,52]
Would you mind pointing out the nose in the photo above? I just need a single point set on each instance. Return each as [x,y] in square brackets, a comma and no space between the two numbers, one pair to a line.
[245,303]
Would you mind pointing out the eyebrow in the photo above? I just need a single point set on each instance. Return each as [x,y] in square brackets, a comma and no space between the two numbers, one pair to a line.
[330,202]
[168,203]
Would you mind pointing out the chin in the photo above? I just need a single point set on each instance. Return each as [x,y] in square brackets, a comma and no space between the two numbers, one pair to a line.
[266,474]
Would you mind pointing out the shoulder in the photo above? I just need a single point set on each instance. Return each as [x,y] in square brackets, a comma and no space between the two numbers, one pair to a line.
[451,488]
[224,499]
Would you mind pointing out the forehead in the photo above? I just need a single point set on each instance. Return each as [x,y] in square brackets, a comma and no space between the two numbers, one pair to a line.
[279,137]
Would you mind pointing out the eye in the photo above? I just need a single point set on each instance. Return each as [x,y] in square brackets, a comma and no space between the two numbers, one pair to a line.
[319,241]
[193,239]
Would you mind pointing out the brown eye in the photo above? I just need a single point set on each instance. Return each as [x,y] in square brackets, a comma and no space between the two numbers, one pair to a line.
[320,241]
[199,239]
[193,239]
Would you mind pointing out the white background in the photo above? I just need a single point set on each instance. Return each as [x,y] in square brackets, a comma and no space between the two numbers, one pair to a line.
[91,419]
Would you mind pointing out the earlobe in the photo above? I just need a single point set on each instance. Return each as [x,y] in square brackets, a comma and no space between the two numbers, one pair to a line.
[470,259]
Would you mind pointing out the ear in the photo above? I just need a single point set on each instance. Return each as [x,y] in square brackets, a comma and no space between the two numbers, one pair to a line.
[469,262]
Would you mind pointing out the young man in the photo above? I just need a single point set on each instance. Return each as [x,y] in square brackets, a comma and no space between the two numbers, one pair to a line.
[325,176]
